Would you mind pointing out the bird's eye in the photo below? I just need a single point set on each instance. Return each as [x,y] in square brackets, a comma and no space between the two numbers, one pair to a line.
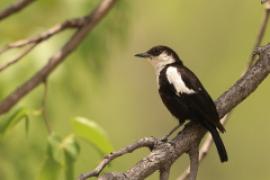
[155,52]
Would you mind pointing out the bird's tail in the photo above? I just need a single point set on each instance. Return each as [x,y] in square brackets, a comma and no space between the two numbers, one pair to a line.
[218,141]
[219,144]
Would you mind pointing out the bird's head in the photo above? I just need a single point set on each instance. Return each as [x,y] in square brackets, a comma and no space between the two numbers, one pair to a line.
[160,56]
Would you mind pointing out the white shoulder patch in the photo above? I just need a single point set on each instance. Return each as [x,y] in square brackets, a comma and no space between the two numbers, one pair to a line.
[174,78]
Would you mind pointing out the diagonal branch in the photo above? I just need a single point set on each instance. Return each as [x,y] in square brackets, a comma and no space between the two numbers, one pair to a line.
[94,17]
[246,84]
[18,58]
[193,133]
[209,141]
[68,24]
[32,42]
[144,142]
[14,8]
[260,35]
[203,150]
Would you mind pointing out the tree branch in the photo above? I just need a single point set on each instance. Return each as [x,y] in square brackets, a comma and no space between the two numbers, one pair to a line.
[165,172]
[144,142]
[246,84]
[57,58]
[68,24]
[163,153]
[32,42]
[209,140]
[18,58]
[260,35]
[14,8]
[194,161]
[203,150]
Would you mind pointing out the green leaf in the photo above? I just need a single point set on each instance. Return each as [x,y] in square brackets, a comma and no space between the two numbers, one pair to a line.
[61,155]
[92,133]
[54,147]
[14,119]
[71,147]
[51,167]
[71,151]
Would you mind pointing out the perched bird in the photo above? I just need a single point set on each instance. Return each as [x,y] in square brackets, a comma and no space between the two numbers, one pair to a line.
[183,94]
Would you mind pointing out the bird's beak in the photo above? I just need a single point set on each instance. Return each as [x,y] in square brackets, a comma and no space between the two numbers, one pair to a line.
[263,1]
[143,55]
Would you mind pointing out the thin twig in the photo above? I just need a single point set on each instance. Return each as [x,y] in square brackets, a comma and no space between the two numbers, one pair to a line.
[144,142]
[203,150]
[260,36]
[165,138]
[18,58]
[94,17]
[14,8]
[68,24]
[32,42]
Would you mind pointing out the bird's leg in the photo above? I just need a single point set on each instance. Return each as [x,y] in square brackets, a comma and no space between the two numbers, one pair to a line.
[165,138]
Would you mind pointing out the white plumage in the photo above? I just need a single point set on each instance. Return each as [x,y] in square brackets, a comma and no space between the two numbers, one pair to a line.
[161,61]
[174,77]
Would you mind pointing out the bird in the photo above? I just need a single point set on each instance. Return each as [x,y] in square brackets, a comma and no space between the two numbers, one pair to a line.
[183,94]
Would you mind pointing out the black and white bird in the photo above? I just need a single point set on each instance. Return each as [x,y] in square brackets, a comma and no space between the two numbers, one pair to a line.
[183,94]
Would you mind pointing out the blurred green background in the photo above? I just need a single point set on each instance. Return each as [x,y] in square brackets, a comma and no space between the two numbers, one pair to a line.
[104,82]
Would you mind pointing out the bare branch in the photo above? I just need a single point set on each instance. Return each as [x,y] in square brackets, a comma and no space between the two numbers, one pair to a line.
[203,150]
[266,3]
[194,161]
[18,58]
[68,24]
[144,142]
[245,85]
[58,57]
[165,172]
[209,141]
[260,36]
[14,8]
[165,138]
[164,153]
[32,42]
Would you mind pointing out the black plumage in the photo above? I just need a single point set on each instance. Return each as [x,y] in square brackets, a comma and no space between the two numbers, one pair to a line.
[198,107]
[192,102]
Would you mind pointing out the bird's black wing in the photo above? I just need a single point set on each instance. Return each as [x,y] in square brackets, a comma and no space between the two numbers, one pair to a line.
[200,102]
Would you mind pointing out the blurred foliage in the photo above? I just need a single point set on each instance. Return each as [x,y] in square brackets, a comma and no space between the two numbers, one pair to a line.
[93,133]
[60,153]
[96,46]
[102,81]
[10,122]
[51,167]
